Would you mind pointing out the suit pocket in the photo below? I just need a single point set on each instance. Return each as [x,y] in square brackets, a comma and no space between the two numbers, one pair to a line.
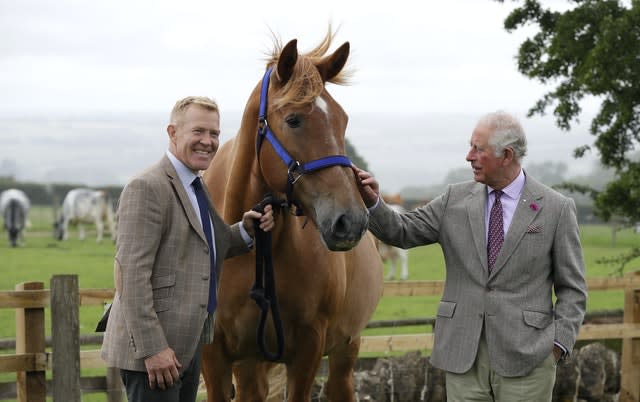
[537,319]
[162,287]
[446,309]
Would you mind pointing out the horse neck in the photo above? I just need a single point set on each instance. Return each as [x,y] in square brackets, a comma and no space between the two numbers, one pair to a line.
[16,213]
[245,186]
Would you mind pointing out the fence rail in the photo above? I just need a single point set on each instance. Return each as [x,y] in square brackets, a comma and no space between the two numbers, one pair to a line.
[31,361]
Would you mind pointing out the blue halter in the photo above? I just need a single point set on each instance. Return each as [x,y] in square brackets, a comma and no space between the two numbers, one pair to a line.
[295,169]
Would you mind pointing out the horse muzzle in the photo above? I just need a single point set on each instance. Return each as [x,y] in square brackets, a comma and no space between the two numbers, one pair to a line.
[343,231]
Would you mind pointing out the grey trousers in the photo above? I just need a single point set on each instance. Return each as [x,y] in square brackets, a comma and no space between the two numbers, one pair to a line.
[184,390]
[481,384]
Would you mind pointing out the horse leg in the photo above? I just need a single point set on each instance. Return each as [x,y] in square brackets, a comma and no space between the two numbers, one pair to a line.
[100,230]
[252,383]
[302,369]
[404,263]
[392,269]
[342,361]
[216,370]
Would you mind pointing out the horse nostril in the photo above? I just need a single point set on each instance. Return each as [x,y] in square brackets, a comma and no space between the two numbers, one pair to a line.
[342,226]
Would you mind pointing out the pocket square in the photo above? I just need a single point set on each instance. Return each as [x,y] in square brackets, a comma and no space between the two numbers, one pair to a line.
[534,229]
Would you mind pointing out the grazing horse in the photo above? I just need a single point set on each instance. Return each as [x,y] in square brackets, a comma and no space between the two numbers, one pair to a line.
[397,257]
[14,208]
[85,206]
[328,274]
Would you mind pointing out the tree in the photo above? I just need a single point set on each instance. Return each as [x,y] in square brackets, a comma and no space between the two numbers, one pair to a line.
[548,172]
[591,49]
[355,157]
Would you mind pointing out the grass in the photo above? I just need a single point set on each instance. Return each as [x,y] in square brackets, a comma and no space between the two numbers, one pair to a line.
[42,257]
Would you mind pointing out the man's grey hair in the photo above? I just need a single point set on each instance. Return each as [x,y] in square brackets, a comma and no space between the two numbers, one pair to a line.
[507,133]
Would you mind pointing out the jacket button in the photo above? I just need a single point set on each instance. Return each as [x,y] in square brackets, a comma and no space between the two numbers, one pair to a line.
[205,277]
[206,250]
[489,289]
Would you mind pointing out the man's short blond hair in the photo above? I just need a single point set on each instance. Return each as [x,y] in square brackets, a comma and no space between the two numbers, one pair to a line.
[182,105]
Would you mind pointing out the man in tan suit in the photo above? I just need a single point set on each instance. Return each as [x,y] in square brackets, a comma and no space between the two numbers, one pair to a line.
[163,308]
[509,243]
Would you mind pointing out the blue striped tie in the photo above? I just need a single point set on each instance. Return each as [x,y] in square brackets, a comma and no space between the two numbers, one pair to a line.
[206,226]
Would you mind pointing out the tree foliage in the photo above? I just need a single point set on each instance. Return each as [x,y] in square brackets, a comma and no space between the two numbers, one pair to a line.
[590,50]
[355,157]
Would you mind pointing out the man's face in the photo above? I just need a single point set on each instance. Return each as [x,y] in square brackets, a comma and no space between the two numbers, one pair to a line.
[194,139]
[487,168]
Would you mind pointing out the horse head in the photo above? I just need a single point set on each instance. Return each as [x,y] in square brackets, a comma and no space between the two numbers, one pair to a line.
[58,228]
[14,221]
[305,128]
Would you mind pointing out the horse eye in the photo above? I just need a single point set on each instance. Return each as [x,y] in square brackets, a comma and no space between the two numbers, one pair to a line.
[292,121]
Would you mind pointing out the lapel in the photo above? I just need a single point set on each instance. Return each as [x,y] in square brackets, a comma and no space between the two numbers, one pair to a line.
[522,218]
[183,198]
[475,202]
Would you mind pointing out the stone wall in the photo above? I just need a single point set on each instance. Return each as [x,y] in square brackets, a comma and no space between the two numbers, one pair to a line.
[591,374]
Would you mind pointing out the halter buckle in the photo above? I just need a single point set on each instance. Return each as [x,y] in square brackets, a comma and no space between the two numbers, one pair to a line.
[292,172]
[262,126]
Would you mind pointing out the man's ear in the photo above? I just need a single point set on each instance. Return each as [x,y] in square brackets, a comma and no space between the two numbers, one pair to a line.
[171,130]
[509,155]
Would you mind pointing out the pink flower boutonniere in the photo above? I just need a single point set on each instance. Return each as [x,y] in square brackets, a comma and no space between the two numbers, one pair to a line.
[533,206]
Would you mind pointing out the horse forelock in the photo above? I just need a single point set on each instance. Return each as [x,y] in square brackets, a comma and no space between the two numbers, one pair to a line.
[305,84]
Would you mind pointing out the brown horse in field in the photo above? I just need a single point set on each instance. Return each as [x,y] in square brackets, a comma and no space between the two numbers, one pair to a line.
[328,274]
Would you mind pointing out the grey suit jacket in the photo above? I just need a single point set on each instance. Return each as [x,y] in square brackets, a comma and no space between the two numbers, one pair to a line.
[541,253]
[161,270]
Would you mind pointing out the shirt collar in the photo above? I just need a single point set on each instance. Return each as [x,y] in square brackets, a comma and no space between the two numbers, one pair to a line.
[185,174]
[514,189]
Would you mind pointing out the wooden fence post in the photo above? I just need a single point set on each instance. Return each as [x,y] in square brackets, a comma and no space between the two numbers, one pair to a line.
[31,386]
[630,370]
[65,338]
[114,385]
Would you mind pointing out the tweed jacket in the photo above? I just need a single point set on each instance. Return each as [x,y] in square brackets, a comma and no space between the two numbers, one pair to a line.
[162,270]
[541,254]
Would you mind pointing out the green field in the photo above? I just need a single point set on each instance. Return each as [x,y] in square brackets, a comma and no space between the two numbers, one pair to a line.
[42,257]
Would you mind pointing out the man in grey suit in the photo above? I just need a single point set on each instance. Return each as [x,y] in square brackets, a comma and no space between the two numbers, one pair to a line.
[509,244]
[168,262]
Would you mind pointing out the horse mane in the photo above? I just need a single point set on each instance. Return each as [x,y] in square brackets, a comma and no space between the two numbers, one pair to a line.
[306,83]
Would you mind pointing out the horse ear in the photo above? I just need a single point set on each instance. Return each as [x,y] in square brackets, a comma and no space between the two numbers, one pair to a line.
[330,66]
[287,61]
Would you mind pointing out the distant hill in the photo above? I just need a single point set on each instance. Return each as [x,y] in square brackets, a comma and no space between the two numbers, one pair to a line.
[412,150]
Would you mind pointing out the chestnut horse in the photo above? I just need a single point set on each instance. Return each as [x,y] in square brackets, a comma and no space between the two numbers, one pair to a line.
[328,274]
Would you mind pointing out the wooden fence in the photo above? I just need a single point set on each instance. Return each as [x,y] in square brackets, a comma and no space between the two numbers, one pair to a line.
[31,360]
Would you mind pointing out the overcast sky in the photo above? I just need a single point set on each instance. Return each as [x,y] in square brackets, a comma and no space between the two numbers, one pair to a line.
[448,57]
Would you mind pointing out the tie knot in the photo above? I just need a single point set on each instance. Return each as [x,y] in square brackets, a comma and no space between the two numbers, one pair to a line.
[498,194]
[196,183]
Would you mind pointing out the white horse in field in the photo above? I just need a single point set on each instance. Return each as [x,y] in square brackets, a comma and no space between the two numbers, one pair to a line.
[14,208]
[397,257]
[85,206]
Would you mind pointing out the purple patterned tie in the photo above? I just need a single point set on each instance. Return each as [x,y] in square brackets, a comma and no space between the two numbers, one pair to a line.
[496,232]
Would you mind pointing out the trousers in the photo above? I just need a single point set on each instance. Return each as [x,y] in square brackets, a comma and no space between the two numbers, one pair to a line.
[482,384]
